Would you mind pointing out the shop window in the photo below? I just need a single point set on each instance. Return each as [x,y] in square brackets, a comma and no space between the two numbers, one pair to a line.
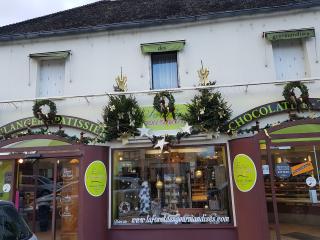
[289,59]
[184,186]
[51,78]
[164,70]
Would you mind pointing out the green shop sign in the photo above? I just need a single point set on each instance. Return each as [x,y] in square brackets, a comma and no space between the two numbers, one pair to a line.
[96,178]
[155,121]
[265,111]
[162,46]
[67,121]
[293,34]
[244,172]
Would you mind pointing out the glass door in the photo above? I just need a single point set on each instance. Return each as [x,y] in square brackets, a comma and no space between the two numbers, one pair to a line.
[36,185]
[296,189]
[48,197]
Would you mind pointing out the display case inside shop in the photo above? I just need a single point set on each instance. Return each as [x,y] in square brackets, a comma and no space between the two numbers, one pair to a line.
[184,186]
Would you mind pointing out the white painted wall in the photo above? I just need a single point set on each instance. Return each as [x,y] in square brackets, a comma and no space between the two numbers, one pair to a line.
[233,50]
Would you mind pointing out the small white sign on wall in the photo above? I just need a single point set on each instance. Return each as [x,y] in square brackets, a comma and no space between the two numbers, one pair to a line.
[6,188]
[311,181]
[265,169]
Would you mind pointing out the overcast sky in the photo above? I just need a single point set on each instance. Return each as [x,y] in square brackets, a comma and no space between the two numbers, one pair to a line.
[12,11]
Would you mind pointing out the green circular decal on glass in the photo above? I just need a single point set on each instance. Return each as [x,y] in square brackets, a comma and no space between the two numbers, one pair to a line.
[244,172]
[96,178]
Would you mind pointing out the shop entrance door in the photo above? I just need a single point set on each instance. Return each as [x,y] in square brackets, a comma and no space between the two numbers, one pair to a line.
[48,197]
[293,198]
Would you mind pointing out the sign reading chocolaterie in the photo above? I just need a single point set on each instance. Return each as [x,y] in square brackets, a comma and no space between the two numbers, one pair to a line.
[68,121]
[265,111]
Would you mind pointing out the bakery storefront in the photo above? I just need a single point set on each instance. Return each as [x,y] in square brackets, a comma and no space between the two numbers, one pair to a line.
[263,184]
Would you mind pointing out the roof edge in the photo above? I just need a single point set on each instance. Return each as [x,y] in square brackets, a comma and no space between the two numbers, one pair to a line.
[156,22]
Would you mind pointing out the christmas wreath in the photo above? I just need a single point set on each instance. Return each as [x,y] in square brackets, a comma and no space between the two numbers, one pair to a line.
[163,102]
[297,102]
[48,117]
[208,112]
[122,116]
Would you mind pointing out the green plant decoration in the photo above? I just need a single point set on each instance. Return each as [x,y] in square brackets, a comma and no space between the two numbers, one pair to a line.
[298,103]
[122,116]
[163,102]
[208,112]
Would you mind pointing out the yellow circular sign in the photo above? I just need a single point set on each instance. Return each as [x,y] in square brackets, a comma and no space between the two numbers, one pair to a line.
[244,172]
[96,178]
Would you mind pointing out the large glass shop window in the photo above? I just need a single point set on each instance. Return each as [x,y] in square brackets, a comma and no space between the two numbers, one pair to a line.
[184,186]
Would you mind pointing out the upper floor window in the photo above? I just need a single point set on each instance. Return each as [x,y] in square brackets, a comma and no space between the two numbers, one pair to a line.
[289,53]
[51,78]
[51,72]
[164,70]
[164,64]
[289,59]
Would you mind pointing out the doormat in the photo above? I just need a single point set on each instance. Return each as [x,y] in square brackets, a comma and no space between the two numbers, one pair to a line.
[301,236]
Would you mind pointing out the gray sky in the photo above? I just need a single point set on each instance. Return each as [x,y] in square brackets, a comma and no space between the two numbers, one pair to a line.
[12,11]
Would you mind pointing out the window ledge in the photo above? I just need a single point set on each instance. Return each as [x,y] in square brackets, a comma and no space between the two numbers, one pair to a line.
[191,138]
[155,91]
[173,226]
[304,80]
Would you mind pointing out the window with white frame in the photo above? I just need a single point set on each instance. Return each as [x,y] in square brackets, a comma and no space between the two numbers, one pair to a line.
[50,73]
[289,52]
[164,63]
[289,59]
[51,78]
[164,70]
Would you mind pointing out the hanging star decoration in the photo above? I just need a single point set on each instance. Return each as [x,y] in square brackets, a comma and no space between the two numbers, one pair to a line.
[161,143]
[216,134]
[186,129]
[221,114]
[144,131]
[121,82]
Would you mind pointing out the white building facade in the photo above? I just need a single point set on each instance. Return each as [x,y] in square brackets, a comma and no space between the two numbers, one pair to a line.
[77,71]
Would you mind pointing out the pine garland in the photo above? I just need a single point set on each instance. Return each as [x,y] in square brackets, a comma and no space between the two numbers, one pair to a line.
[122,116]
[208,112]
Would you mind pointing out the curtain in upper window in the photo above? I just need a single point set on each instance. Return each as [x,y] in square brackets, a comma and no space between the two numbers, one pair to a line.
[164,70]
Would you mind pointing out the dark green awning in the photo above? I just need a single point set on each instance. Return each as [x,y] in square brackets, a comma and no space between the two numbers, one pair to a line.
[51,55]
[162,46]
[290,34]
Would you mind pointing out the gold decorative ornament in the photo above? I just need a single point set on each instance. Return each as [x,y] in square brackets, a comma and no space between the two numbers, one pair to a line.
[125,138]
[198,173]
[203,74]
[159,184]
[121,82]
